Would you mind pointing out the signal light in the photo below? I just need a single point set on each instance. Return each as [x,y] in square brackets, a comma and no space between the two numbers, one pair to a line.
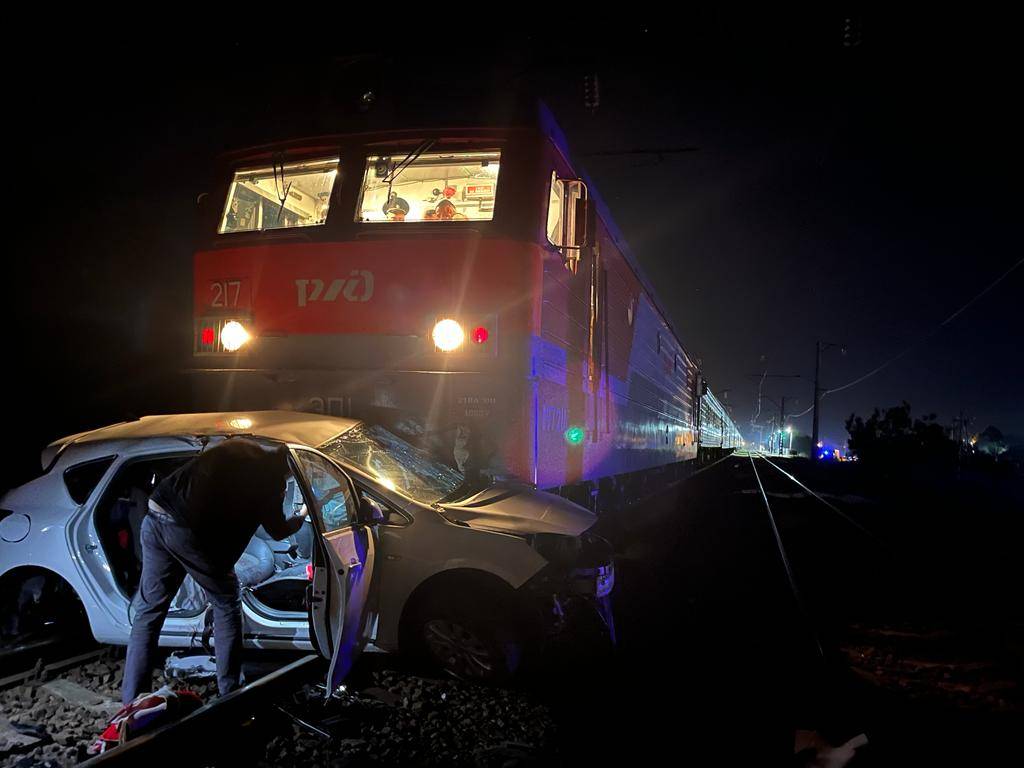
[207,337]
[575,435]
[448,335]
[479,335]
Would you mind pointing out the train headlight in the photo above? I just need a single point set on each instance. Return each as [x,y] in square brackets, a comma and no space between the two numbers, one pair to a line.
[448,335]
[233,335]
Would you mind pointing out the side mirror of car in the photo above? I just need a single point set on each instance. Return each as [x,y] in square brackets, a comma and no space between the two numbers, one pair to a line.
[372,511]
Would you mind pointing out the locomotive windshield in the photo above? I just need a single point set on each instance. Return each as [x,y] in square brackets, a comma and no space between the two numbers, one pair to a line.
[282,195]
[434,186]
[396,464]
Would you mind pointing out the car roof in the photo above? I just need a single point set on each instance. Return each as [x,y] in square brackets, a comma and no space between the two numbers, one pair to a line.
[287,426]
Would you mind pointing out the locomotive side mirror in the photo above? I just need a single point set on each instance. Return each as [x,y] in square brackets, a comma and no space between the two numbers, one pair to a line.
[572,222]
[581,237]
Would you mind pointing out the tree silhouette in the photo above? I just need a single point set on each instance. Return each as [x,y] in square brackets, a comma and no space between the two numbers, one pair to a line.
[892,436]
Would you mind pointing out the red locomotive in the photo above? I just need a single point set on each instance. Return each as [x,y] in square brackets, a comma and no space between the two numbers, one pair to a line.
[462,286]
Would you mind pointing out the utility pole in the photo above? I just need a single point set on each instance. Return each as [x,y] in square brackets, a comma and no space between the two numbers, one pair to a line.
[818,349]
[817,397]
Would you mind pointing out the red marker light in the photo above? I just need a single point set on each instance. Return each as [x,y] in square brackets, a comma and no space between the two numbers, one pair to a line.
[207,336]
[479,335]
[309,571]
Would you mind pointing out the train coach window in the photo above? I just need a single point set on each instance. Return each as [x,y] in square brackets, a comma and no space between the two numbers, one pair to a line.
[279,196]
[435,186]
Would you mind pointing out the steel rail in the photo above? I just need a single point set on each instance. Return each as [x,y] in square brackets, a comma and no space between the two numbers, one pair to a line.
[41,671]
[208,724]
[790,576]
[831,506]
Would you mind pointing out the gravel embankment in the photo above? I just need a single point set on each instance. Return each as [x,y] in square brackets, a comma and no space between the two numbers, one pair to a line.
[403,719]
[64,729]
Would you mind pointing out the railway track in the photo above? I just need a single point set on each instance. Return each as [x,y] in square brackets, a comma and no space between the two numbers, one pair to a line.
[52,709]
[284,718]
[853,587]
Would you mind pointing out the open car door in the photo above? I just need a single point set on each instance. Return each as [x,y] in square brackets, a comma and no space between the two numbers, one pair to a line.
[340,595]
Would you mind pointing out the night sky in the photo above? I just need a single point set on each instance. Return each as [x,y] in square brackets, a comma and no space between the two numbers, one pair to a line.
[858,195]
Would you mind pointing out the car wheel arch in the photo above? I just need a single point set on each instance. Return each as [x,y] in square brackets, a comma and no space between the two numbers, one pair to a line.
[453,581]
[12,580]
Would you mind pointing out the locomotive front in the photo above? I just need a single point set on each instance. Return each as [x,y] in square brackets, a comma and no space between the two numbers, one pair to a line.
[386,277]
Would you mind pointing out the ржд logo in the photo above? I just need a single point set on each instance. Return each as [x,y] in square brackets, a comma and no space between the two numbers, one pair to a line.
[358,286]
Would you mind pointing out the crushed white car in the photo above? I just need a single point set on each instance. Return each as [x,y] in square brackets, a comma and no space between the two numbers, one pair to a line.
[399,552]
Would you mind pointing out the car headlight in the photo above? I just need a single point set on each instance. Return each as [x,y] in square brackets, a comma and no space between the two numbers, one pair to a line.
[598,582]
[605,580]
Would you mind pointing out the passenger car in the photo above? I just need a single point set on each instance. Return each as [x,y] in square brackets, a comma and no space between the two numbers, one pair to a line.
[399,550]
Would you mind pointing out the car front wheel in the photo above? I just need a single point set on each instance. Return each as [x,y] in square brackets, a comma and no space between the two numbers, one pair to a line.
[471,639]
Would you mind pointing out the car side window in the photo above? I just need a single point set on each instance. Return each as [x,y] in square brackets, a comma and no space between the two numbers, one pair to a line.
[330,489]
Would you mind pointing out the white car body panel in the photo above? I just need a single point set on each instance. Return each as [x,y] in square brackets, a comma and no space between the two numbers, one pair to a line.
[63,538]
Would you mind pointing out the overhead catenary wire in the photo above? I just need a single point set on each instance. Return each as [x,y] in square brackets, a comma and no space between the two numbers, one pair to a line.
[919,342]
[803,412]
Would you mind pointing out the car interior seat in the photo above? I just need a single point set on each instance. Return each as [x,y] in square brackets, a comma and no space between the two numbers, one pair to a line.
[256,564]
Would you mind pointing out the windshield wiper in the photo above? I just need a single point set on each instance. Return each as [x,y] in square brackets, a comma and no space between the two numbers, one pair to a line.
[283,198]
[409,159]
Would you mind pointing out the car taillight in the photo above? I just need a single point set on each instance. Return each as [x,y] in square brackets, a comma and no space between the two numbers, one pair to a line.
[309,571]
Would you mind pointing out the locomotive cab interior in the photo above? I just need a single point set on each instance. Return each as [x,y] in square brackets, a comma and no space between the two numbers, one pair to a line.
[280,196]
[430,186]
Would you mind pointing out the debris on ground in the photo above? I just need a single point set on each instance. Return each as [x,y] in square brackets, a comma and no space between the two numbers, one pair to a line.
[193,667]
[69,727]
[812,750]
[20,737]
[405,719]
[936,664]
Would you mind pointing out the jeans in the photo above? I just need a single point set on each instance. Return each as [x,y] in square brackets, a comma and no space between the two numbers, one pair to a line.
[169,551]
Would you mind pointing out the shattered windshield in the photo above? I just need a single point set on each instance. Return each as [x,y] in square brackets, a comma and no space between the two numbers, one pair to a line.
[396,464]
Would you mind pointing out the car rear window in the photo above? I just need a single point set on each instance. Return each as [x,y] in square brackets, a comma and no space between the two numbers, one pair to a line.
[81,480]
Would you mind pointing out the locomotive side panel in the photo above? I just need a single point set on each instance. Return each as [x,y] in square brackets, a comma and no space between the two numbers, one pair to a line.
[615,390]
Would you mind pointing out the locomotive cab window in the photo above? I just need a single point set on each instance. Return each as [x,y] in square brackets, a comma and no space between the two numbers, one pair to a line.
[435,186]
[279,196]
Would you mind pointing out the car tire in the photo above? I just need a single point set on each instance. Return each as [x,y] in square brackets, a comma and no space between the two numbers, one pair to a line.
[39,605]
[475,637]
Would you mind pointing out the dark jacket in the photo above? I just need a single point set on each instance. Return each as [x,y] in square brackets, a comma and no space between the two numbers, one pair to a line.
[225,493]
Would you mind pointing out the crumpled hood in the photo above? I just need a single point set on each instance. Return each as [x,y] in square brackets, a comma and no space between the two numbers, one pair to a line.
[519,508]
